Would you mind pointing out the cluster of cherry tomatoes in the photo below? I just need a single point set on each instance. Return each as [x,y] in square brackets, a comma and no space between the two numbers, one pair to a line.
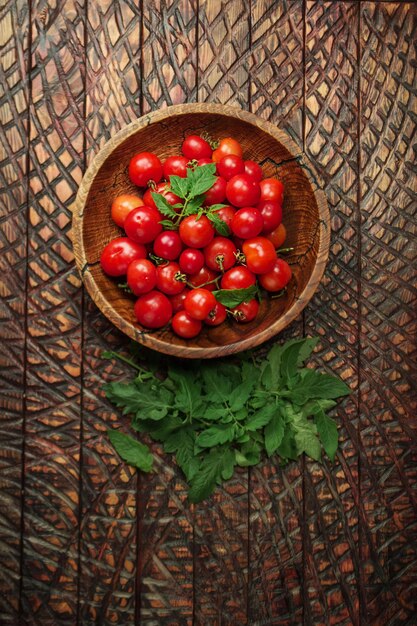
[174,271]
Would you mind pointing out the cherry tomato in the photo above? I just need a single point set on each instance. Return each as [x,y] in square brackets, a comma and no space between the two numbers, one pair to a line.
[141,276]
[216,315]
[238,277]
[196,233]
[167,279]
[142,224]
[278,277]
[230,166]
[217,193]
[247,223]
[144,167]
[203,162]
[253,170]
[118,254]
[205,275]
[122,205]
[185,326]
[153,310]
[177,301]
[246,312]
[278,236]
[164,190]
[271,213]
[195,147]
[227,146]
[272,189]
[220,254]
[199,302]
[226,214]
[242,190]
[175,166]
[260,255]
[191,261]
[168,245]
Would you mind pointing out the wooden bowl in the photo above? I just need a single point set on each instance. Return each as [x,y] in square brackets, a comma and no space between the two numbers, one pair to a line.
[306,217]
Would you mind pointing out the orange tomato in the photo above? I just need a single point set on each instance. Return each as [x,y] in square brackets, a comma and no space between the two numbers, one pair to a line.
[122,205]
[227,146]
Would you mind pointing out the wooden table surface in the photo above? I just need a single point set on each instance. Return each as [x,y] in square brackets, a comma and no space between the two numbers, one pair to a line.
[83,539]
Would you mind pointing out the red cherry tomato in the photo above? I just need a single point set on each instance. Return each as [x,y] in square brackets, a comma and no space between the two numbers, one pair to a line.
[168,245]
[142,224]
[216,315]
[144,167]
[226,214]
[141,276]
[238,277]
[175,166]
[177,301]
[185,326]
[247,223]
[195,147]
[122,205]
[246,312]
[167,279]
[203,161]
[278,277]
[260,255]
[153,310]
[191,261]
[220,254]
[118,254]
[242,190]
[271,213]
[227,146]
[199,302]
[204,276]
[229,166]
[217,193]
[253,170]
[272,189]
[278,236]
[164,190]
[196,232]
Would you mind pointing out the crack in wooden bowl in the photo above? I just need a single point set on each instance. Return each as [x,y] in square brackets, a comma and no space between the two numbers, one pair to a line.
[306,217]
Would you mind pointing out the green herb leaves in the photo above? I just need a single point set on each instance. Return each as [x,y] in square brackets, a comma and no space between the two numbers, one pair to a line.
[191,191]
[221,415]
[234,297]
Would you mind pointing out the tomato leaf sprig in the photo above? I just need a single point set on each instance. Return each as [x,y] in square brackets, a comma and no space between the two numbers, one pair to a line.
[191,190]
[222,415]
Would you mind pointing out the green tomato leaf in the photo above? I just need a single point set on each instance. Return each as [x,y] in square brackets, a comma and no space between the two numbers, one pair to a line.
[327,430]
[314,384]
[168,225]
[210,472]
[131,450]
[306,439]
[182,443]
[187,391]
[163,205]
[221,226]
[202,178]
[234,297]
[294,353]
[287,449]
[249,454]
[274,433]
[220,433]
[262,417]
[179,185]
[146,400]
[194,205]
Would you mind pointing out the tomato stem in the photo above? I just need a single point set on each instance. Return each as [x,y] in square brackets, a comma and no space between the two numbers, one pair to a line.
[284,250]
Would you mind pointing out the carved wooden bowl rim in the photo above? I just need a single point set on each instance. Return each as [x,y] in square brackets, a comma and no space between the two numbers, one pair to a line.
[152,340]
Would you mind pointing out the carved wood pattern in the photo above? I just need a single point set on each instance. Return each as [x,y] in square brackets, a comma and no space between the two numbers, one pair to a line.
[307,544]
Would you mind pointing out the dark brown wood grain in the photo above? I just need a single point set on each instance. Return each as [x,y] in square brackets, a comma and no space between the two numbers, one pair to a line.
[108,541]
[52,429]
[14,89]
[308,544]
[331,548]
[387,424]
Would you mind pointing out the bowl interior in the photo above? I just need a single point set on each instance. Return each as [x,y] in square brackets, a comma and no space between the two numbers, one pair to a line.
[301,218]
